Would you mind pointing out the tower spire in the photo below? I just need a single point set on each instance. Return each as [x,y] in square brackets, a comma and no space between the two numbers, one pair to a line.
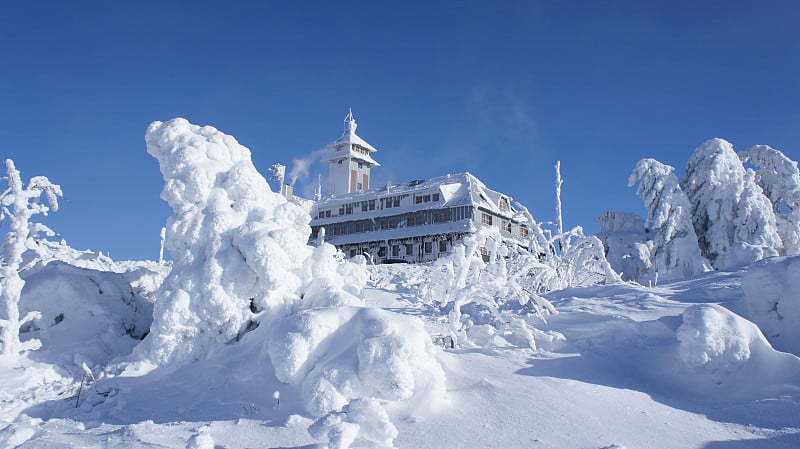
[350,123]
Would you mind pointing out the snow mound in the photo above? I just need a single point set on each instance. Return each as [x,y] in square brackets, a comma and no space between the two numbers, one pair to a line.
[771,301]
[344,353]
[87,316]
[362,419]
[714,339]
[719,349]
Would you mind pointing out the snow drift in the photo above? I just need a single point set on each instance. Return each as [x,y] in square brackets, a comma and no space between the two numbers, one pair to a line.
[771,300]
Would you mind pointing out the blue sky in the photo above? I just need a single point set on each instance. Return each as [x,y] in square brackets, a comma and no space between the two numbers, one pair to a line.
[500,89]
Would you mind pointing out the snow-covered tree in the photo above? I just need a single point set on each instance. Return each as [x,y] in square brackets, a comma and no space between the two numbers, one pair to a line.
[756,233]
[238,248]
[675,252]
[779,178]
[715,183]
[627,248]
[18,203]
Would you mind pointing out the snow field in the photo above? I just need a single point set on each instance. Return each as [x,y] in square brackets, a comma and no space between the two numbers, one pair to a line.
[260,340]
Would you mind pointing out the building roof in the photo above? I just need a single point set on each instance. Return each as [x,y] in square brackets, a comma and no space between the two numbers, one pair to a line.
[347,140]
[462,189]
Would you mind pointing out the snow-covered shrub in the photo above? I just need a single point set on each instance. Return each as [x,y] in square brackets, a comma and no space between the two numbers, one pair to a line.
[732,227]
[487,303]
[18,203]
[238,248]
[363,419]
[561,260]
[85,316]
[340,354]
[771,301]
[675,252]
[627,249]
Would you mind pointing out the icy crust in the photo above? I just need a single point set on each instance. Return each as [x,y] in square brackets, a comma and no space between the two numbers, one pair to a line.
[236,245]
[771,300]
[345,353]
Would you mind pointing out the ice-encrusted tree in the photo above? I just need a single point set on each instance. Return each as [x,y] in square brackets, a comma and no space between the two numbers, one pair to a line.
[779,178]
[626,245]
[675,252]
[18,203]
[238,248]
[756,234]
[725,217]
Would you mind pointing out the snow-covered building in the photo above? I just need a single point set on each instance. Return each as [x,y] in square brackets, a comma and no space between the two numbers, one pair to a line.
[413,222]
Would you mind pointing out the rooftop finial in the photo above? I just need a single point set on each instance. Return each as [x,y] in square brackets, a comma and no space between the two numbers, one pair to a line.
[350,123]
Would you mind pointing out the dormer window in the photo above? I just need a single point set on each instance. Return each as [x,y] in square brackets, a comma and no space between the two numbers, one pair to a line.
[504,204]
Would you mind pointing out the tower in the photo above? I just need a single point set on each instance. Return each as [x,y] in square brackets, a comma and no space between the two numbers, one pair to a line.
[349,161]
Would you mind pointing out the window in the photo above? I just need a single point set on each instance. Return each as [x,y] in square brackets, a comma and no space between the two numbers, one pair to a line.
[417,199]
[441,216]
[327,214]
[426,198]
[362,226]
[348,209]
[523,231]
[397,201]
[359,186]
[428,247]
[371,204]
[341,210]
[352,253]
[435,197]
[395,250]
[486,219]
[388,223]
[339,229]
[360,165]
[504,204]
[409,249]
[387,202]
[340,162]
[322,214]
[507,226]
[442,246]
[382,251]
[414,220]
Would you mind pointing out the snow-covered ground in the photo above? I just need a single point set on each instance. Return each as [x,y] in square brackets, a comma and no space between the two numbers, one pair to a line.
[637,367]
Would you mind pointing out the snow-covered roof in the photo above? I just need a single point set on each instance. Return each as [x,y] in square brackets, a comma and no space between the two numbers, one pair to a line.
[347,140]
[461,189]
